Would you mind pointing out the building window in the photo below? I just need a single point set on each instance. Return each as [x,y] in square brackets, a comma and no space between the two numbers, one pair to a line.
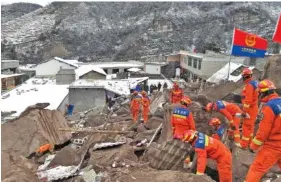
[194,63]
[106,71]
[115,71]
[189,61]
[199,64]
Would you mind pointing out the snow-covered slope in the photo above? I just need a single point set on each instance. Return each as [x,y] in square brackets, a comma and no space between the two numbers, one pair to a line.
[131,30]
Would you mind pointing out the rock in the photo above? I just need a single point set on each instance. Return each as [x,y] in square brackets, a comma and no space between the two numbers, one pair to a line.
[107,157]
[34,129]
[66,157]
[154,122]
[273,70]
[148,174]
[159,112]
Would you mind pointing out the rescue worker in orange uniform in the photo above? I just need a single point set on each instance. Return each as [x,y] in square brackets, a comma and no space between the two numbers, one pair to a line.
[228,110]
[250,106]
[176,94]
[135,105]
[145,104]
[208,147]
[45,148]
[268,136]
[215,123]
[182,118]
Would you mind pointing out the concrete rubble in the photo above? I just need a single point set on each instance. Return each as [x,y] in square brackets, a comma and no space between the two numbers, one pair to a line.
[102,144]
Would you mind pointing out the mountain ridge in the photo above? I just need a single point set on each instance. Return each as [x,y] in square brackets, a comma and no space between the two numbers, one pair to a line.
[118,31]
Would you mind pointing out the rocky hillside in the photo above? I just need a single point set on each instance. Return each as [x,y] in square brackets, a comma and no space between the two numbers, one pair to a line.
[118,31]
[15,10]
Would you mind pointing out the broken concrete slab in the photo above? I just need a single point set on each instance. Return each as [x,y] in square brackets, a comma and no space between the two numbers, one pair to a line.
[16,167]
[34,129]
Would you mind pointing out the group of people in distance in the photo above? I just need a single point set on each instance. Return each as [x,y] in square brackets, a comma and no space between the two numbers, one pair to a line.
[267,141]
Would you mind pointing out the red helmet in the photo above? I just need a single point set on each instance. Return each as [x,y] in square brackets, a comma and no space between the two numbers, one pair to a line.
[215,122]
[266,85]
[247,71]
[189,135]
[143,93]
[209,107]
[186,100]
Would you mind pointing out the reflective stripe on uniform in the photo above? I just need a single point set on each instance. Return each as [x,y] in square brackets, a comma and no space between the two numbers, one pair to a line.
[246,105]
[198,173]
[257,142]
[231,121]
[179,116]
[237,136]
[245,138]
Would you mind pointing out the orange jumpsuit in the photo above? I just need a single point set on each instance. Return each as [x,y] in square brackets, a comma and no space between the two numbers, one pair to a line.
[208,147]
[45,148]
[268,137]
[219,133]
[145,111]
[182,120]
[250,105]
[176,95]
[135,106]
[229,110]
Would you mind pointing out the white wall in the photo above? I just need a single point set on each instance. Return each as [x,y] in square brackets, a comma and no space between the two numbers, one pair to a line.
[152,69]
[50,68]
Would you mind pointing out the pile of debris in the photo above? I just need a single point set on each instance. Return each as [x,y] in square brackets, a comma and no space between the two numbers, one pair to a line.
[102,144]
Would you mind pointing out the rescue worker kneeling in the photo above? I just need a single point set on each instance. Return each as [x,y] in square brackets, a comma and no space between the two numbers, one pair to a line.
[268,136]
[229,110]
[208,147]
[219,128]
[182,118]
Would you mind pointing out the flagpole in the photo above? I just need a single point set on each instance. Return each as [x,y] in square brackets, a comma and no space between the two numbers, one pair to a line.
[228,73]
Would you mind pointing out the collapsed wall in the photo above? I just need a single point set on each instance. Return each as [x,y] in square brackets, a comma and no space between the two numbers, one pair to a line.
[23,136]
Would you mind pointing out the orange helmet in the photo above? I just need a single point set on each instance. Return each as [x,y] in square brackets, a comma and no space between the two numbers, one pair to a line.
[247,71]
[143,93]
[209,107]
[186,100]
[215,122]
[266,85]
[189,136]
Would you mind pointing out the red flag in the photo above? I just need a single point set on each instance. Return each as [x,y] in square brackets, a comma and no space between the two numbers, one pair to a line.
[277,33]
[247,44]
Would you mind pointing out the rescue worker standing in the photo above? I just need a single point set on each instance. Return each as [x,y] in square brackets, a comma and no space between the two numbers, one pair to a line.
[182,118]
[228,110]
[176,94]
[135,105]
[268,136]
[250,106]
[215,123]
[208,147]
[145,104]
